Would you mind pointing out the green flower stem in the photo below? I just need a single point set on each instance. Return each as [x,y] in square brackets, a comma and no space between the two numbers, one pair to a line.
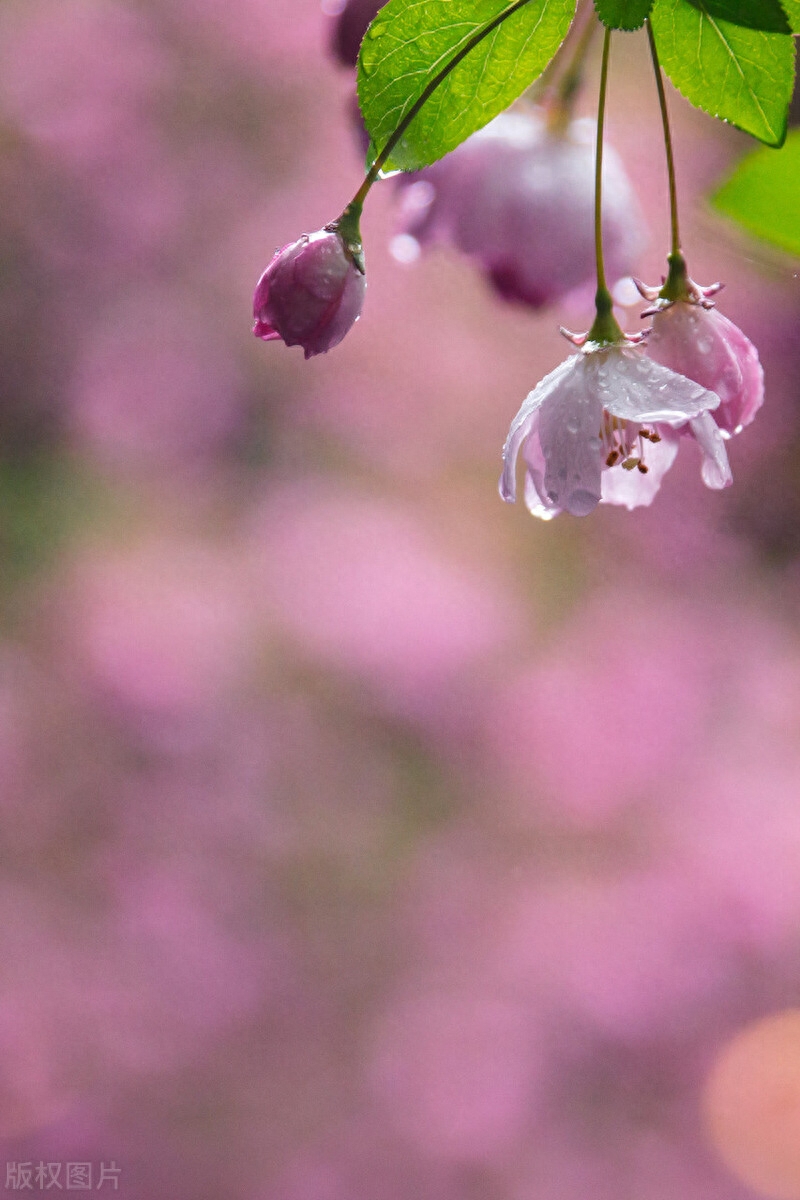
[348,227]
[605,329]
[677,264]
[425,95]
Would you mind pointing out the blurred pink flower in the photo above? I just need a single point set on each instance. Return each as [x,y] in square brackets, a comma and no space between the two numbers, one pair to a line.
[311,294]
[639,954]
[34,1086]
[350,27]
[739,828]
[587,422]
[362,587]
[705,346]
[548,726]
[181,965]
[285,37]
[518,198]
[80,75]
[82,83]
[456,1071]
[161,634]
[152,388]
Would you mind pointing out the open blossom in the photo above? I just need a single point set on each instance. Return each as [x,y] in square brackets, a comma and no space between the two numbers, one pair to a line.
[311,293]
[705,346]
[518,197]
[603,427]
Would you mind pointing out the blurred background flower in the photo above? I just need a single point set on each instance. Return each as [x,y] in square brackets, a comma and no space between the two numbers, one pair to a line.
[361,837]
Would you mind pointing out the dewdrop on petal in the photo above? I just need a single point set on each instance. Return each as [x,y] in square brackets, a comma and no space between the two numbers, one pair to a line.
[312,292]
[690,336]
[600,428]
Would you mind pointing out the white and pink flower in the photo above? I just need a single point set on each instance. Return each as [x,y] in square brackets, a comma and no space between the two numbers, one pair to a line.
[702,344]
[604,427]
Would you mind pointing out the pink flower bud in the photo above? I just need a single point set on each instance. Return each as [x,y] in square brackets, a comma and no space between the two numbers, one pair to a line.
[519,199]
[310,294]
[703,345]
[351,25]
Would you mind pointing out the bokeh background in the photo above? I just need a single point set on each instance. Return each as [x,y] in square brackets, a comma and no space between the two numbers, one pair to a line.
[362,836]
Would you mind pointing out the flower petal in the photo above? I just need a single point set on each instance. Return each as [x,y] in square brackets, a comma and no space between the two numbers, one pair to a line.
[716,471]
[636,388]
[536,500]
[525,422]
[704,345]
[569,433]
[633,489]
[534,503]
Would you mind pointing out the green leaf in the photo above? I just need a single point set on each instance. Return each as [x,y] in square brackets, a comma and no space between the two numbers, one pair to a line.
[763,195]
[623,14]
[792,9]
[410,42]
[744,76]
[768,15]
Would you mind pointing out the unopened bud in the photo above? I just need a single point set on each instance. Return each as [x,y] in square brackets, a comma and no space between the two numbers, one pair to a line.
[311,293]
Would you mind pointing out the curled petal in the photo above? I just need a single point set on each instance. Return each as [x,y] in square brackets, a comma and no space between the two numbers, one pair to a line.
[716,471]
[705,346]
[535,505]
[525,421]
[569,433]
[536,500]
[635,388]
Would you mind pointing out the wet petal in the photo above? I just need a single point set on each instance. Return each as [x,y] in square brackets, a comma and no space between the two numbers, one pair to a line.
[263,330]
[526,420]
[311,293]
[534,503]
[705,346]
[569,432]
[536,500]
[632,489]
[716,471]
[635,388]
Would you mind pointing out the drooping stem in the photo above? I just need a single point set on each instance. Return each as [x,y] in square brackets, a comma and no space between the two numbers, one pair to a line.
[605,328]
[426,94]
[662,100]
[598,167]
[677,285]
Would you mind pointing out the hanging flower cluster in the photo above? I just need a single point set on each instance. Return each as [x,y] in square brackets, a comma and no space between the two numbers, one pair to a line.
[538,203]
[692,375]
